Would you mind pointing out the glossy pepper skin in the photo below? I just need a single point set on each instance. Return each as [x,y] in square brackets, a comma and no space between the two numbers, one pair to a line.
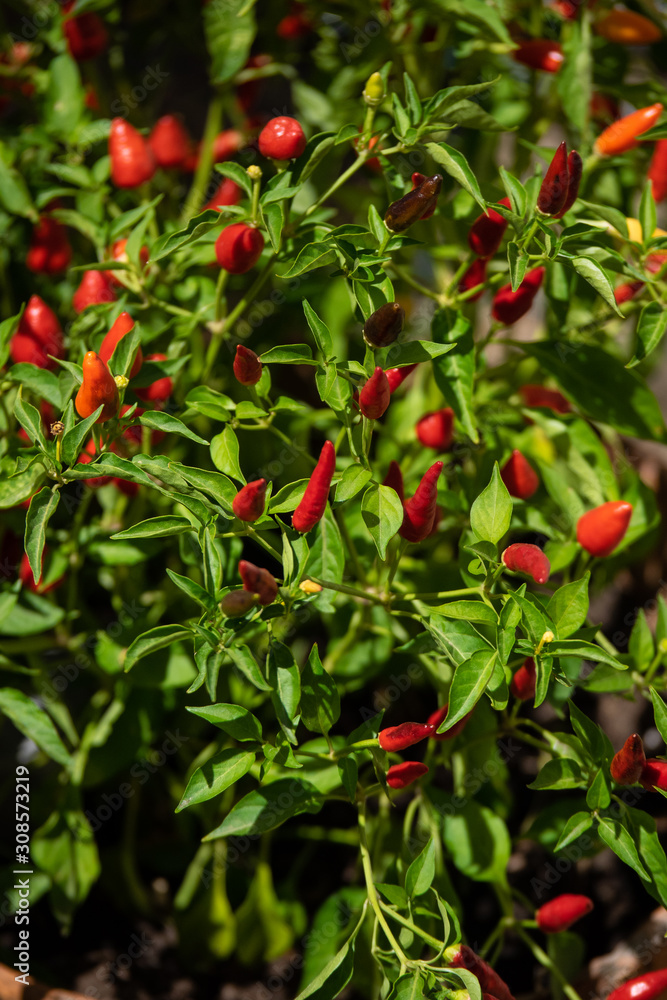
[461,956]
[161,389]
[313,504]
[237,602]
[536,396]
[563,911]
[625,27]
[627,765]
[95,288]
[472,278]
[600,530]
[98,388]
[487,231]
[375,395]
[282,139]
[49,251]
[394,480]
[523,682]
[169,141]
[248,504]
[528,559]
[402,775]
[38,335]
[119,328]
[247,366]
[397,376]
[226,193]
[646,987]
[438,717]
[436,430]
[575,166]
[654,774]
[519,476]
[657,171]
[401,737]
[553,191]
[621,135]
[132,160]
[258,581]
[410,208]
[86,34]
[238,248]
[627,291]
[509,306]
[419,511]
[418,179]
[539,53]
[383,327]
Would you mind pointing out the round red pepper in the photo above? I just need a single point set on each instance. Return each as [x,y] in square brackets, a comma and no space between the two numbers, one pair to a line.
[132,160]
[540,53]
[600,530]
[436,430]
[536,396]
[282,139]
[226,193]
[161,389]
[169,141]
[529,559]
[239,247]
[657,171]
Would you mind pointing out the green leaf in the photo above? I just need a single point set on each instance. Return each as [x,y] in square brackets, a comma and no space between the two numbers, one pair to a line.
[651,328]
[156,638]
[273,215]
[573,829]
[412,352]
[641,646]
[320,702]
[491,512]
[156,527]
[469,683]
[382,512]
[334,977]
[518,263]
[575,76]
[614,835]
[64,97]
[647,214]
[217,774]
[197,227]
[455,372]
[290,354]
[225,453]
[352,482]
[514,190]
[319,330]
[14,193]
[73,439]
[478,842]
[289,498]
[30,420]
[559,774]
[43,506]
[598,795]
[590,271]
[285,681]
[472,611]
[160,421]
[243,659]
[237,722]
[610,215]
[194,591]
[455,164]
[659,714]
[34,723]
[229,30]
[268,807]
[312,256]
[568,607]
[420,874]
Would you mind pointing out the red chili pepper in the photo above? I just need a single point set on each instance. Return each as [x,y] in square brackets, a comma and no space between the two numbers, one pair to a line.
[397,376]
[654,774]
[94,289]
[312,506]
[258,581]
[536,396]
[169,141]
[436,719]
[487,231]
[657,171]
[600,530]
[375,395]
[247,366]
[86,34]
[519,476]
[98,387]
[553,192]
[420,511]
[248,504]
[294,25]
[282,139]
[86,456]
[540,53]
[402,775]
[474,276]
[655,262]
[226,144]
[239,247]
[410,208]
[621,135]
[646,987]
[626,27]
[523,682]
[118,253]
[626,292]
[561,912]
[418,179]
[509,306]
[132,160]
[119,328]
[567,8]
[436,430]
[528,559]
[575,166]
[158,391]
[237,602]
[406,735]
[461,956]
[226,193]
[383,327]
[38,335]
[28,580]
[627,765]
[49,251]
[394,480]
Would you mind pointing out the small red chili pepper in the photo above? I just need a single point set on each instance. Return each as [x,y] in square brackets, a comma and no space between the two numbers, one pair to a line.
[410,208]
[523,682]
[394,480]
[312,506]
[621,135]
[529,559]
[626,292]
[38,335]
[406,735]
[226,144]
[383,327]
[402,775]
[294,25]
[397,376]
[575,166]
[247,366]
[567,8]
[474,276]
[509,306]
[600,530]
[161,389]
[418,179]
[49,251]
[28,580]
[536,396]
[626,27]
[646,987]
[169,141]
[436,719]
[248,504]
[419,511]
[553,191]
[461,956]
[657,171]
[561,912]
[98,387]
[540,53]
[239,247]
[519,476]
[132,160]
[119,328]
[258,581]
[627,765]
[436,430]
[94,289]
[226,193]
[237,602]
[487,231]
[86,34]
[375,395]
[282,139]
[654,774]
[655,262]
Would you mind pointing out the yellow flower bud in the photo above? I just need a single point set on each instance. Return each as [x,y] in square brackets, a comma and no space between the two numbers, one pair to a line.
[310,587]
[374,90]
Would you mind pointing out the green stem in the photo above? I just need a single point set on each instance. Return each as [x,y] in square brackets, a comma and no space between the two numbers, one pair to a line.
[343,588]
[211,129]
[266,545]
[544,960]
[439,595]
[370,887]
[413,927]
[344,177]
[220,300]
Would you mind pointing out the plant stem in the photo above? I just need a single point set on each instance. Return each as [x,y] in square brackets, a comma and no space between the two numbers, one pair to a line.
[353,591]
[544,960]
[370,887]
[211,129]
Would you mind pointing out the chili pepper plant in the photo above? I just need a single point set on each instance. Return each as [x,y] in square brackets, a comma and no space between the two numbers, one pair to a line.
[324,377]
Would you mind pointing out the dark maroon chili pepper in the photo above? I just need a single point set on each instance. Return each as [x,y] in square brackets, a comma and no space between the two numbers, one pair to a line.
[523,682]
[528,559]
[461,956]
[248,504]
[394,480]
[397,376]
[237,602]
[575,166]
[553,191]
[409,209]
[375,395]
[627,765]
[474,276]
[654,774]
[383,327]
[519,476]
[646,987]
[561,912]
[404,736]
[438,717]
[314,502]
[418,179]
[487,231]
[402,775]
[258,581]
[420,510]
[509,306]
[247,366]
